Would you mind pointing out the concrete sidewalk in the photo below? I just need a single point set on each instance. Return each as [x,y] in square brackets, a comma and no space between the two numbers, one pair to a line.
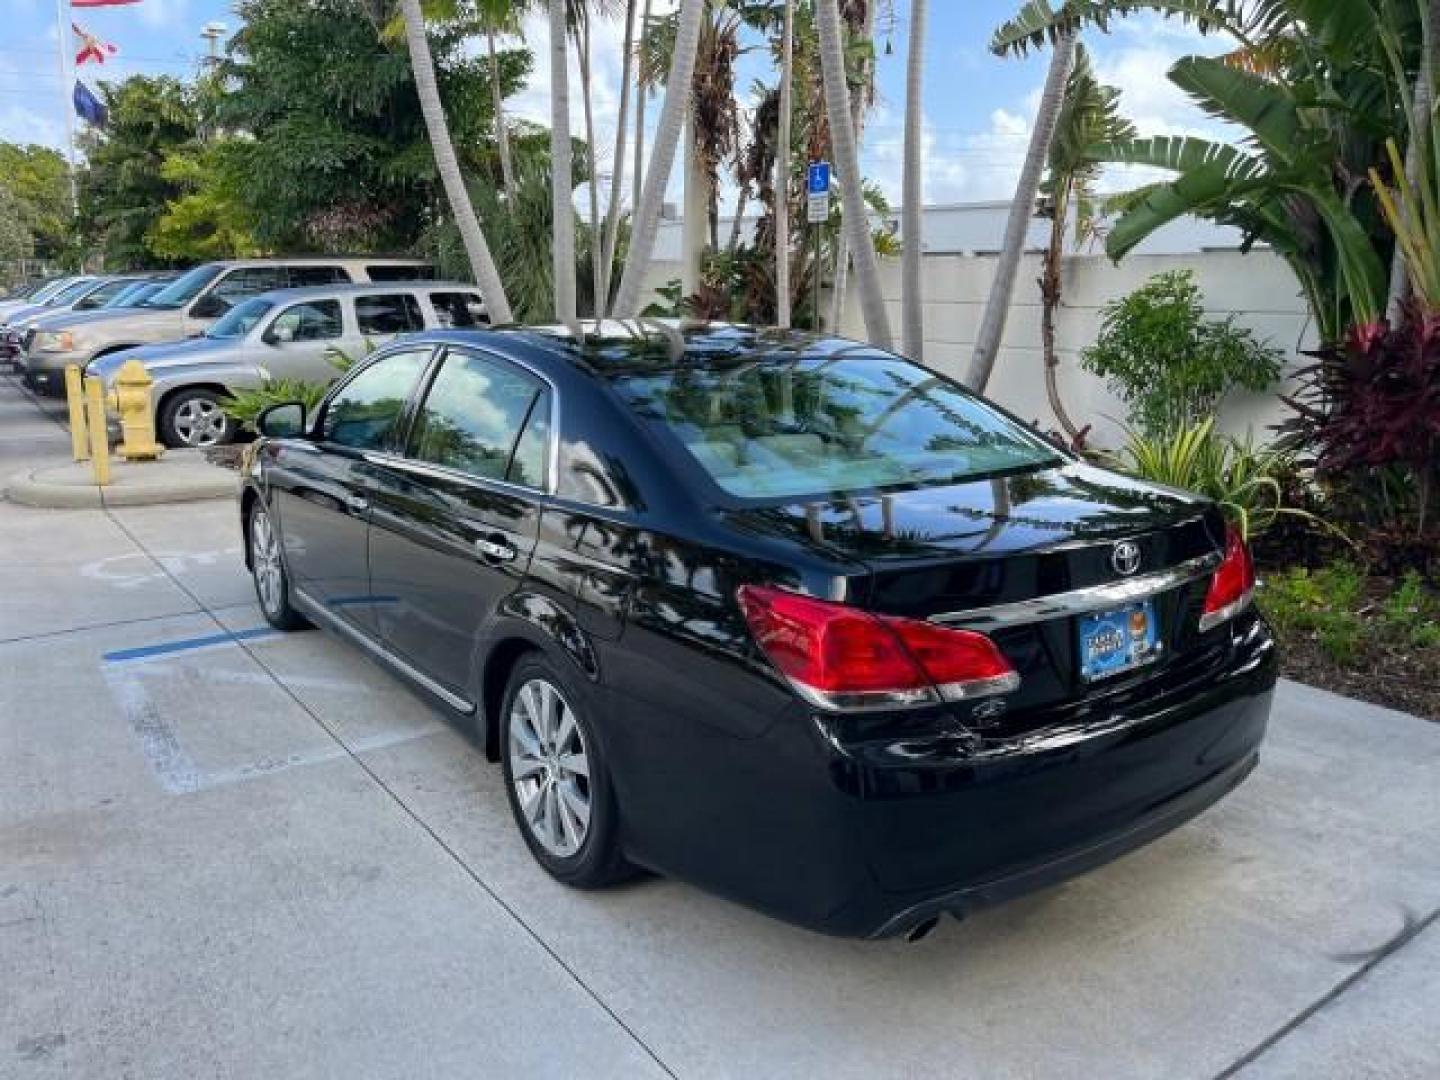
[229,852]
[36,467]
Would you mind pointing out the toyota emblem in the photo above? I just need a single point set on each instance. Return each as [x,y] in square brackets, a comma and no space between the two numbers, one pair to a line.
[1125,558]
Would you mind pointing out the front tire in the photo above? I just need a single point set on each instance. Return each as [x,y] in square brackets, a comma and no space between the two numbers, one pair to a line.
[557,780]
[267,569]
[195,418]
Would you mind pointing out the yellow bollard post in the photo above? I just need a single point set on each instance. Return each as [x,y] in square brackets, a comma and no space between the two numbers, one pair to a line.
[75,399]
[137,418]
[99,437]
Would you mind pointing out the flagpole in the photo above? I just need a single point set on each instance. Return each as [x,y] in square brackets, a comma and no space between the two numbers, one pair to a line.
[62,38]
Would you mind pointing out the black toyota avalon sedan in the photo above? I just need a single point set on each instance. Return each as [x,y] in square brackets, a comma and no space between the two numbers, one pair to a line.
[787,617]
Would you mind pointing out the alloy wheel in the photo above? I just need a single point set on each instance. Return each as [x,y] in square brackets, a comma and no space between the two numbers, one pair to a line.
[201,422]
[549,768]
[265,557]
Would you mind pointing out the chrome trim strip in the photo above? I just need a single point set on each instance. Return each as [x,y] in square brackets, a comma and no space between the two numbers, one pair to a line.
[318,610]
[1080,601]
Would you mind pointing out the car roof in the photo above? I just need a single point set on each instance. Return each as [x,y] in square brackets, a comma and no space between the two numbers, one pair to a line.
[316,292]
[323,260]
[632,346]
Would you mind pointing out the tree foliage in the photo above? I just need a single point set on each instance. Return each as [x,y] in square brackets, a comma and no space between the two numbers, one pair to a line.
[332,122]
[124,190]
[36,181]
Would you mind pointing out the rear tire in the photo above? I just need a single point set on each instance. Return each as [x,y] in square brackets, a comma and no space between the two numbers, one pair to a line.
[267,569]
[557,780]
[195,418]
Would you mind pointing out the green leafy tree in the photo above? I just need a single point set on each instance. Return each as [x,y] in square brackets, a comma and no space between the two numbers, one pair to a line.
[332,128]
[124,190]
[37,180]
[1167,362]
[208,220]
[16,240]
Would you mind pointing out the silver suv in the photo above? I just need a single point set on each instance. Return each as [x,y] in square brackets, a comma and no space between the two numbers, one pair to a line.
[187,307]
[288,334]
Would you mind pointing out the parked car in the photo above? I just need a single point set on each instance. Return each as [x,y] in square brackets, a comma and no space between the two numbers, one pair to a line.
[788,617]
[33,294]
[287,334]
[91,294]
[189,305]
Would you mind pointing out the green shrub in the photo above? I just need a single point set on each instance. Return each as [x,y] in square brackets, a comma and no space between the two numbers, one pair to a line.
[1336,607]
[244,406]
[1167,362]
[1243,478]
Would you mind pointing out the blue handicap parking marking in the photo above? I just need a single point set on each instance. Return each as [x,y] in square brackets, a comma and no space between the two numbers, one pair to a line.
[186,644]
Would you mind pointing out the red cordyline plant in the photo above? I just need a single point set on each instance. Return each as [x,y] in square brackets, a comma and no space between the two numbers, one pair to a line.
[1370,411]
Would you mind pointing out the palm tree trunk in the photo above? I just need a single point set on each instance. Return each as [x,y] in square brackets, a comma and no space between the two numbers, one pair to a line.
[502,134]
[1022,209]
[617,179]
[696,209]
[737,225]
[482,265]
[782,171]
[912,296]
[597,277]
[562,169]
[642,97]
[855,220]
[859,95]
[667,136]
[1050,284]
[1420,109]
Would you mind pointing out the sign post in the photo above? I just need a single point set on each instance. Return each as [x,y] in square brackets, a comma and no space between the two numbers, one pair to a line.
[817,207]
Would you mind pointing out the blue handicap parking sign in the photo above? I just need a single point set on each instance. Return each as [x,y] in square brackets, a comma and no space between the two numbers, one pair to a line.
[818,180]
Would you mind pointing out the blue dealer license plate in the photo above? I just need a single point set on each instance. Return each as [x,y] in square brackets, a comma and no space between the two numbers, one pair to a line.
[1116,641]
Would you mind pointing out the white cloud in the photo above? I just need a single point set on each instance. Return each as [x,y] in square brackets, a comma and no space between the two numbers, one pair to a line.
[23,125]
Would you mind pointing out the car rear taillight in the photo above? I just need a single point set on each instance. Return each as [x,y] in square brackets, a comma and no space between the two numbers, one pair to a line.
[1233,586]
[839,657]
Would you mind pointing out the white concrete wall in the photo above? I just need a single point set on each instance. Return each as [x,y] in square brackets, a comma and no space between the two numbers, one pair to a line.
[1257,288]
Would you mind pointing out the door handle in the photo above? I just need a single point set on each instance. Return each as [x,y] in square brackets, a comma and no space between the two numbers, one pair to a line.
[357,503]
[495,549]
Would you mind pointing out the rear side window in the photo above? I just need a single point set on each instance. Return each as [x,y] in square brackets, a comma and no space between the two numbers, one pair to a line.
[459,310]
[391,272]
[366,411]
[484,418]
[824,425]
[393,313]
[303,277]
[317,320]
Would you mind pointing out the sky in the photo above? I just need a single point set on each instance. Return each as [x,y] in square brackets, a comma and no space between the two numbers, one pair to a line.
[978,107]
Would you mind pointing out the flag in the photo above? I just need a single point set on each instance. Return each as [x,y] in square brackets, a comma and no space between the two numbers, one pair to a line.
[91,48]
[101,3]
[88,107]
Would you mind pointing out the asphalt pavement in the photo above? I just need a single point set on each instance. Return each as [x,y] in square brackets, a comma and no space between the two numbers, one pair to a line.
[226,852]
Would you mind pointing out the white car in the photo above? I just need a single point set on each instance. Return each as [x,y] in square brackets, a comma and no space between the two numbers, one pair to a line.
[285,334]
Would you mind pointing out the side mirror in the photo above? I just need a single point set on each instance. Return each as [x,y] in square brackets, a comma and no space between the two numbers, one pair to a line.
[209,306]
[279,335]
[282,421]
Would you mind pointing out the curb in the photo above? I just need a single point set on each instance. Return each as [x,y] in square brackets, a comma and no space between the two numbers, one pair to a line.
[30,488]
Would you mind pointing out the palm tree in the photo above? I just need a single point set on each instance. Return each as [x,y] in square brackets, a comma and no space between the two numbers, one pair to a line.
[855,221]
[667,136]
[858,18]
[782,171]
[562,193]
[617,179]
[1090,115]
[500,17]
[1022,208]
[912,294]
[1422,106]
[446,163]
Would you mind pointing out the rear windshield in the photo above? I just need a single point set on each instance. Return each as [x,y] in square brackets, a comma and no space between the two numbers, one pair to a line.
[787,427]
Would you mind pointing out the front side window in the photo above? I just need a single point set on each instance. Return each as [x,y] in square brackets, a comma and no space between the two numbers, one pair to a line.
[303,277]
[318,320]
[392,313]
[366,412]
[484,418]
[240,319]
[814,426]
[185,288]
[458,310]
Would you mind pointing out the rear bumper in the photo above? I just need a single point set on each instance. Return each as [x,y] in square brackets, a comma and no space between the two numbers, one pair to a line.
[872,837]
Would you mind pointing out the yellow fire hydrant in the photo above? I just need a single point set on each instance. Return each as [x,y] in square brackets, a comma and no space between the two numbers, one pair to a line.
[137,418]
